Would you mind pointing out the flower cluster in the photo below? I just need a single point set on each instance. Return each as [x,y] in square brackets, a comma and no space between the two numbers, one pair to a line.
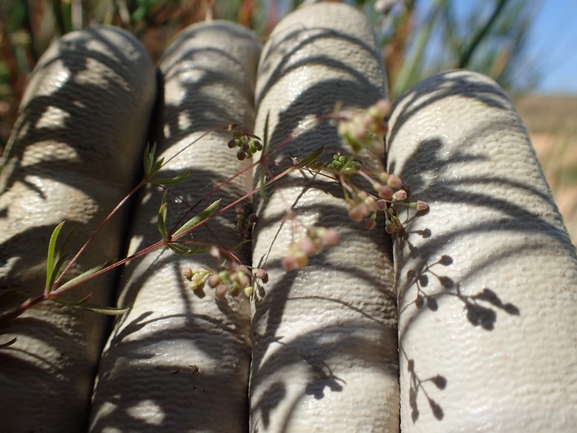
[390,194]
[235,279]
[313,243]
[247,144]
[366,129]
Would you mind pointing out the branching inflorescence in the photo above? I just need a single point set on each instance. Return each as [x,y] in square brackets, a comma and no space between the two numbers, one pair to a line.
[380,192]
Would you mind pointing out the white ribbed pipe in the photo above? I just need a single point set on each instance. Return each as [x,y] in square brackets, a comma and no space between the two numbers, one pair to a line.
[493,347]
[177,362]
[81,130]
[324,338]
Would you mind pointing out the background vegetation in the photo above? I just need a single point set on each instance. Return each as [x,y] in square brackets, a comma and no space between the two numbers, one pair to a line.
[419,38]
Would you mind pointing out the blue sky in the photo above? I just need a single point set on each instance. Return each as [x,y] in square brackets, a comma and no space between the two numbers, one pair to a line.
[553,45]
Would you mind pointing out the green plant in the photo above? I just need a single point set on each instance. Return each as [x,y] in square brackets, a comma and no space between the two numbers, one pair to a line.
[359,132]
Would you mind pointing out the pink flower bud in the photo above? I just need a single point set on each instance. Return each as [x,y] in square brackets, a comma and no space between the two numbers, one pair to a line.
[371,203]
[394,181]
[220,290]
[214,280]
[370,224]
[400,195]
[306,245]
[187,273]
[422,205]
[356,214]
[381,205]
[390,229]
[243,280]
[365,210]
[386,192]
[384,176]
[262,275]
[331,237]
[318,245]
[383,107]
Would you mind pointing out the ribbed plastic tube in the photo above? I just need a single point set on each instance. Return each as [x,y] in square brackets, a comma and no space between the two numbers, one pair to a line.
[324,337]
[82,125]
[487,279]
[178,361]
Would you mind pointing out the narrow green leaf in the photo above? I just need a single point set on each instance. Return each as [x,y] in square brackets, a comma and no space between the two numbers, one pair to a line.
[51,255]
[156,167]
[81,276]
[84,305]
[312,157]
[148,157]
[57,267]
[171,181]
[66,244]
[161,222]
[199,218]
[8,343]
[72,303]
[265,136]
[184,250]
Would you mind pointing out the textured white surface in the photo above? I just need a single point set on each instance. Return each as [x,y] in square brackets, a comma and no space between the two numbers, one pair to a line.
[325,349]
[74,151]
[493,262]
[177,362]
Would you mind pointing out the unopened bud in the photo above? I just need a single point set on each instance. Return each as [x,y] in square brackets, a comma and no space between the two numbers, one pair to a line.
[232,144]
[248,291]
[384,176]
[356,214]
[371,203]
[261,274]
[243,280]
[220,290]
[370,224]
[394,181]
[253,218]
[386,192]
[331,237]
[214,252]
[187,273]
[400,195]
[214,280]
[383,107]
[422,205]
[307,246]
[241,155]
[381,204]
